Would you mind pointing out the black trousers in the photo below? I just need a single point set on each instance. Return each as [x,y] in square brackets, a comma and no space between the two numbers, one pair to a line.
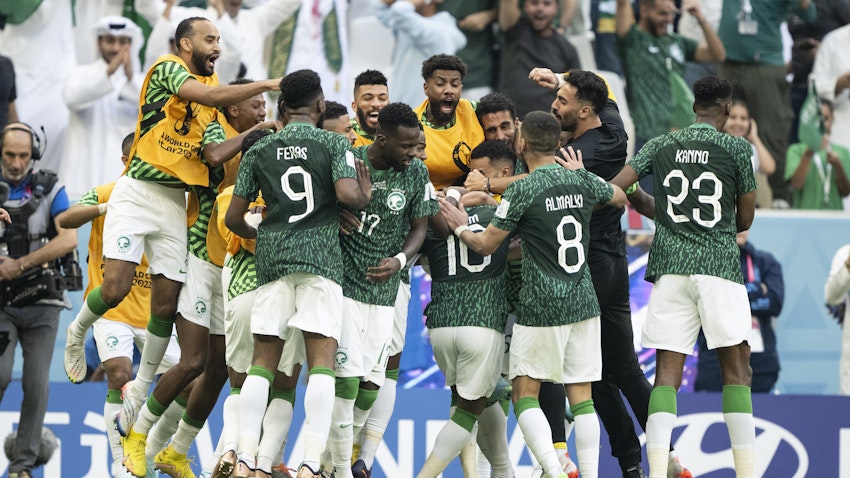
[620,368]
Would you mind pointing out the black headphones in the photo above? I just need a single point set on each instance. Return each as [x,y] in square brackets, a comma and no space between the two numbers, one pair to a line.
[37,149]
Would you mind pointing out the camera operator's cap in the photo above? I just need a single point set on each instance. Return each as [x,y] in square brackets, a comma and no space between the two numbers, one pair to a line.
[120,27]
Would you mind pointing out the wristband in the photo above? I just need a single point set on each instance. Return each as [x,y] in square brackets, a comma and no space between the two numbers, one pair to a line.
[101,208]
[402,258]
[631,189]
[488,185]
[453,193]
[459,230]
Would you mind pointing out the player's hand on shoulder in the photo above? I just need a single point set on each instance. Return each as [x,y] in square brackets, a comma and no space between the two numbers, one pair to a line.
[571,159]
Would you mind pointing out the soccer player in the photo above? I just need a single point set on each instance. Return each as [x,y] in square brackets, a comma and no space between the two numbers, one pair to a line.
[469,343]
[120,328]
[451,127]
[201,303]
[392,228]
[336,119]
[239,278]
[302,172]
[704,195]
[368,439]
[148,203]
[370,96]
[556,336]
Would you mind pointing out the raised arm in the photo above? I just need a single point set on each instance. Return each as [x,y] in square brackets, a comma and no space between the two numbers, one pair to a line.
[712,50]
[624,17]
[509,14]
[224,95]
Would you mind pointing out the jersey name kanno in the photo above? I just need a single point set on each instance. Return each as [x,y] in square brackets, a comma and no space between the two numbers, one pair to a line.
[698,173]
[467,289]
[397,198]
[551,210]
[296,169]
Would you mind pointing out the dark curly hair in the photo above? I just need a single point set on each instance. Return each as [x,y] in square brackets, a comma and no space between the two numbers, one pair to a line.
[443,62]
[299,88]
[590,88]
[395,115]
[370,77]
[498,152]
[541,132]
[711,91]
[334,110]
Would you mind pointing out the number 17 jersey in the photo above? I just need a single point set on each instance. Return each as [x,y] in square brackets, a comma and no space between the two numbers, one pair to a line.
[296,169]
[698,174]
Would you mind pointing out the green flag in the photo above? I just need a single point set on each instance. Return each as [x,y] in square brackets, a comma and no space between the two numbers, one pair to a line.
[810,128]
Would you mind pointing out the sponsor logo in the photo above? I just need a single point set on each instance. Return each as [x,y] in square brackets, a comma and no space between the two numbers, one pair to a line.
[396,200]
[703,431]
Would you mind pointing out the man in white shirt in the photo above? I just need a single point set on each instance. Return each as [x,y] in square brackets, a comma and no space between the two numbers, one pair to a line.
[103,99]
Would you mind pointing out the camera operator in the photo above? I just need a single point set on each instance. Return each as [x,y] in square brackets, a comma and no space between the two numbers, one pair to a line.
[33,250]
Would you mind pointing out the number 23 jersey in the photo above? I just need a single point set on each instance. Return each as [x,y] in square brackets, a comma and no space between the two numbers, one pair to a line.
[698,174]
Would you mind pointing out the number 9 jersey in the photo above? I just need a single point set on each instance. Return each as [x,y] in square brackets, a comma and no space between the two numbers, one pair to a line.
[296,169]
[698,174]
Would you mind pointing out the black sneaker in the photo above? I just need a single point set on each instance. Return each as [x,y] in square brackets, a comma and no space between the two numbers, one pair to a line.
[634,472]
[359,470]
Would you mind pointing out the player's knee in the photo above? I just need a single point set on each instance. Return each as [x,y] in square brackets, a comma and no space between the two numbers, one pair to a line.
[117,376]
[194,364]
[164,309]
[113,292]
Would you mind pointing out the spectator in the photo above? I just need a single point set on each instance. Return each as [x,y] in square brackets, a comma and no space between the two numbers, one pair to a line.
[836,292]
[755,66]
[475,19]
[103,99]
[7,92]
[41,47]
[689,27]
[831,71]
[31,319]
[316,38]
[741,124]
[530,42]
[766,290]
[420,32]
[807,36]
[652,57]
[818,179]
[605,35]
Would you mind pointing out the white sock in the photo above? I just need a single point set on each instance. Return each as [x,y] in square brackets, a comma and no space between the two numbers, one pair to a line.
[184,436]
[450,441]
[469,454]
[659,428]
[230,423]
[376,424]
[152,353]
[493,440]
[80,325]
[484,468]
[165,427]
[341,436]
[587,444]
[275,426]
[252,406]
[318,407]
[112,435]
[742,436]
[145,420]
[538,437]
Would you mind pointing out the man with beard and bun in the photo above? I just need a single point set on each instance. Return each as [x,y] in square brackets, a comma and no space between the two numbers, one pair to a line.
[370,95]
[392,228]
[585,109]
[148,206]
[302,172]
[451,127]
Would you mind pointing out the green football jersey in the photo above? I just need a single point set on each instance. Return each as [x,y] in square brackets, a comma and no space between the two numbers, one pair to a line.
[296,169]
[244,276]
[467,290]
[698,174]
[397,198]
[551,210]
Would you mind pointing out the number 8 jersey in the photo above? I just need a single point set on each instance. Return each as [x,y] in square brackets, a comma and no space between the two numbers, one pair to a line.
[698,174]
[551,209]
[296,169]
